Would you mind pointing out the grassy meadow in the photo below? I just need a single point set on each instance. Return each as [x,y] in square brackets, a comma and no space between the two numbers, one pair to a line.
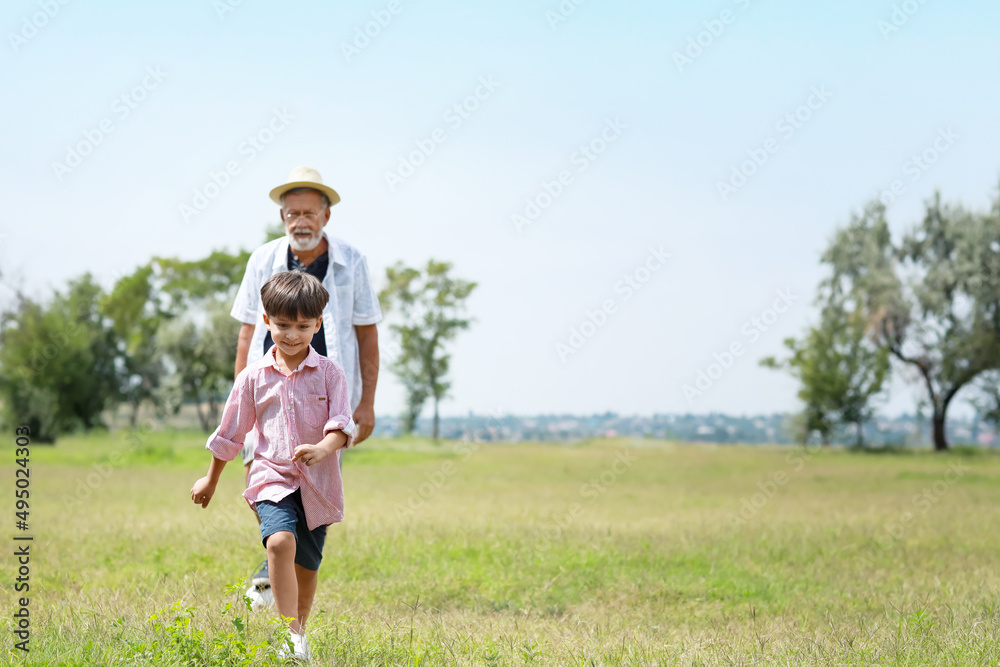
[609,552]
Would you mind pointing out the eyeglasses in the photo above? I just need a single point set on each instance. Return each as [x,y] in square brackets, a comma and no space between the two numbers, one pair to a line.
[295,215]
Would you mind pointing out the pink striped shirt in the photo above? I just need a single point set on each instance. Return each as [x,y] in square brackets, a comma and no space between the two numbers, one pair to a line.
[285,411]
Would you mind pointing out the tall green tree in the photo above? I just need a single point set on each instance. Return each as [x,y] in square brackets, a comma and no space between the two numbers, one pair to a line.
[30,341]
[865,366]
[811,367]
[136,317]
[58,368]
[200,349]
[840,370]
[183,284]
[143,304]
[929,299]
[430,308]
[161,335]
[199,342]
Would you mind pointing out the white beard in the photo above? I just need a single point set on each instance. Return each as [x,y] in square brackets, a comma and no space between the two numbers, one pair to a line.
[304,244]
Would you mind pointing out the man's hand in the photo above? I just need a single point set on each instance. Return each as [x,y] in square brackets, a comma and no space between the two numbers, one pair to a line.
[202,491]
[243,346]
[364,418]
[312,454]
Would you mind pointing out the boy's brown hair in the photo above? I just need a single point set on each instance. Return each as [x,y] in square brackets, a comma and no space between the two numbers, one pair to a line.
[291,294]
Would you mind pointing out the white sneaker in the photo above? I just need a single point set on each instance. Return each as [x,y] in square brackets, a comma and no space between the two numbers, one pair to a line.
[261,597]
[300,648]
[261,576]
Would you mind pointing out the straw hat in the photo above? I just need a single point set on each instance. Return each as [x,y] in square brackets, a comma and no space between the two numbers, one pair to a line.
[304,177]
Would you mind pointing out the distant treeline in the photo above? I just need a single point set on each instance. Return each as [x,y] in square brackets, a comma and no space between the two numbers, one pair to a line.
[908,430]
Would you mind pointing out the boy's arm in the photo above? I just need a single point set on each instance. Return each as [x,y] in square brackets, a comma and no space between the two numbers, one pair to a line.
[204,488]
[310,454]
[339,421]
[339,429]
[238,417]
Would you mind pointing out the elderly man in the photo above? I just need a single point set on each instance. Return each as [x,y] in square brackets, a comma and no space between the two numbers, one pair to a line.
[348,334]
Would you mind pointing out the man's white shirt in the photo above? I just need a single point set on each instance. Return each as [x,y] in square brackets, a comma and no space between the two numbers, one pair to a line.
[353,302]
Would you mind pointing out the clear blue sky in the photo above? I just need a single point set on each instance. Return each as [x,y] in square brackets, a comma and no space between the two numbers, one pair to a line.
[677,132]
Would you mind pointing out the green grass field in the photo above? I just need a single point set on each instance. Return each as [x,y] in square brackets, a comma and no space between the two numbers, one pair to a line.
[609,552]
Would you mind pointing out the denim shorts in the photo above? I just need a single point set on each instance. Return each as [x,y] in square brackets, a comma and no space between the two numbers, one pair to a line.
[288,514]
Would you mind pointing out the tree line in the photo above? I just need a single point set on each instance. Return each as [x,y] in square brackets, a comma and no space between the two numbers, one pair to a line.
[162,336]
[925,305]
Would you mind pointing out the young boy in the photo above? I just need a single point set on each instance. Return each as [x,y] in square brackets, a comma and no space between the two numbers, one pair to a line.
[296,401]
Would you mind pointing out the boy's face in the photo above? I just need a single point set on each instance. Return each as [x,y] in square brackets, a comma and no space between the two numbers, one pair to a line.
[292,336]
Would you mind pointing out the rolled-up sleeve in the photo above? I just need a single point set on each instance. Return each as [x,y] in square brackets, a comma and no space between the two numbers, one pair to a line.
[238,418]
[366,306]
[248,296]
[339,403]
